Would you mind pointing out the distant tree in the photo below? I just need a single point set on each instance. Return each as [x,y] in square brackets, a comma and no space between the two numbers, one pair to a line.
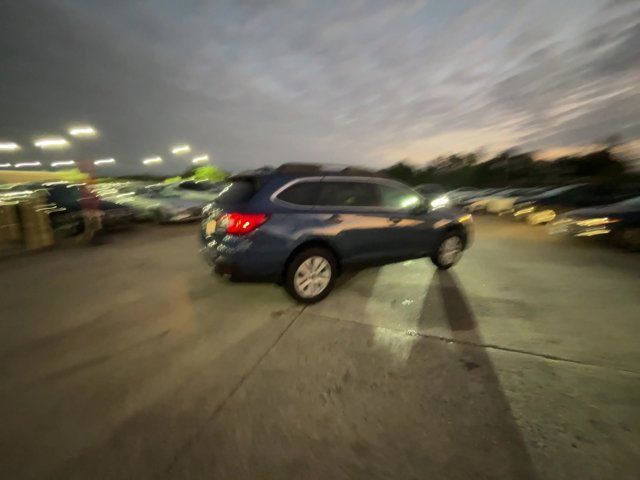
[401,171]
[73,175]
[209,172]
[172,179]
[206,172]
[470,159]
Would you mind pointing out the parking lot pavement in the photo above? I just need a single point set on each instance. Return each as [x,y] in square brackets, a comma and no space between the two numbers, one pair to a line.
[130,360]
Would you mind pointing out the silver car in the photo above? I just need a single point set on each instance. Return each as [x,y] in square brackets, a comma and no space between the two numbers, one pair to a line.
[160,204]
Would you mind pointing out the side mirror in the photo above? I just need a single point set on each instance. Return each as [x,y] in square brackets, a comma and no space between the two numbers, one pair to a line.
[421,208]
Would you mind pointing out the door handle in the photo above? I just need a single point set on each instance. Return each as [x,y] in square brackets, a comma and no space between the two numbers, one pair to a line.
[335,218]
[395,220]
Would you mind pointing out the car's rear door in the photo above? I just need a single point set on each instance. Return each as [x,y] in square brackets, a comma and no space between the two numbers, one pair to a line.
[348,209]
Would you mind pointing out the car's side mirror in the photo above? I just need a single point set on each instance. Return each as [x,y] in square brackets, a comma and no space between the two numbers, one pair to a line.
[421,208]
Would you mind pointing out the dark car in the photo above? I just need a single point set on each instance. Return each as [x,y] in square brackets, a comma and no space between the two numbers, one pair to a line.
[66,202]
[302,225]
[544,208]
[619,221]
[116,216]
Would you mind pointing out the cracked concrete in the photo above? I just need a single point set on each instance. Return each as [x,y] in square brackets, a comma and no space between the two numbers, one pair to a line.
[130,360]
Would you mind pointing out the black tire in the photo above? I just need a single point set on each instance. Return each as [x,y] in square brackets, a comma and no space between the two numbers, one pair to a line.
[441,262]
[299,259]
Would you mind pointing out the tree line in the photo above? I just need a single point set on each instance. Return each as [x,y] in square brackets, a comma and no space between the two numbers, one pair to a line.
[515,168]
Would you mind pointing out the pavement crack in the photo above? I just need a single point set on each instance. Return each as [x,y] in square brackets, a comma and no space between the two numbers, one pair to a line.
[489,346]
[226,399]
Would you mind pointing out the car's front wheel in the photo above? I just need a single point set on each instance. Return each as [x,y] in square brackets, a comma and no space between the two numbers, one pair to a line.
[449,251]
[311,275]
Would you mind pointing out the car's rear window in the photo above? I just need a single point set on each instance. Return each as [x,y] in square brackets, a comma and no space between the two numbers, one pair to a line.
[348,194]
[237,191]
[301,193]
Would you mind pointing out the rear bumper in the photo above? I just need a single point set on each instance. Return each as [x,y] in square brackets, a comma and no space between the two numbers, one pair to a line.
[242,259]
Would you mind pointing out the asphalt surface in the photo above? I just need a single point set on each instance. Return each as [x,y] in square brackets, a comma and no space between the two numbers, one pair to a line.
[130,360]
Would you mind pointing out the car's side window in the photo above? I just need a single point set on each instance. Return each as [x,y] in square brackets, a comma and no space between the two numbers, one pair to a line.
[397,197]
[301,193]
[348,194]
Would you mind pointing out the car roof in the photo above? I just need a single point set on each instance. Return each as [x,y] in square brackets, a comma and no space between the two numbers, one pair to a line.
[295,170]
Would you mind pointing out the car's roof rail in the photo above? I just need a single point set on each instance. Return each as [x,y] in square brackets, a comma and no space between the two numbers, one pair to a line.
[325,169]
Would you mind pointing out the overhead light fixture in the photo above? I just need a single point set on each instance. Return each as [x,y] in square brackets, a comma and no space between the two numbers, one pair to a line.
[28,164]
[5,165]
[51,142]
[200,159]
[105,161]
[180,149]
[9,147]
[63,163]
[83,131]
[152,160]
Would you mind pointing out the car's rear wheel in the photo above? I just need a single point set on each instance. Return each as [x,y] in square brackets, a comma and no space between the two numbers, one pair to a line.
[449,252]
[311,275]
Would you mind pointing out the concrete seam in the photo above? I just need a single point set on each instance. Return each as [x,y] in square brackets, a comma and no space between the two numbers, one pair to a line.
[488,346]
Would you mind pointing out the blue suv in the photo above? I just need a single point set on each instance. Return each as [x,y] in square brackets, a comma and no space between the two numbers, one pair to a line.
[300,225]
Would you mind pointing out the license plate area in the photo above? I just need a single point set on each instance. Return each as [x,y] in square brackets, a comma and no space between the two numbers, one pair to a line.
[210,227]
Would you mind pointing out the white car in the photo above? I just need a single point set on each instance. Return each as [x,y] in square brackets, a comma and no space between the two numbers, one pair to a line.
[480,203]
[504,202]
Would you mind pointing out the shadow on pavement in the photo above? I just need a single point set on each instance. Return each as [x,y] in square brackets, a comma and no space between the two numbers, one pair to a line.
[345,400]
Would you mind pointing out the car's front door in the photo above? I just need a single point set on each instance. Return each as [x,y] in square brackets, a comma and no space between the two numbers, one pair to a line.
[410,232]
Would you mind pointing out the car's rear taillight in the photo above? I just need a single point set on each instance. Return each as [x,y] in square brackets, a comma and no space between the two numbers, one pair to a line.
[243,223]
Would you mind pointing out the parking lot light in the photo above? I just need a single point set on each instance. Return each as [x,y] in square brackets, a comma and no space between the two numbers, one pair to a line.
[200,159]
[180,149]
[28,164]
[83,131]
[9,147]
[105,161]
[46,143]
[63,163]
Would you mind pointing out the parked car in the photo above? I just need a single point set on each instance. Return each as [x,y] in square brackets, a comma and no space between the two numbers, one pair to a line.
[619,222]
[461,193]
[160,204]
[504,201]
[197,190]
[302,225]
[430,191]
[479,203]
[544,208]
[66,202]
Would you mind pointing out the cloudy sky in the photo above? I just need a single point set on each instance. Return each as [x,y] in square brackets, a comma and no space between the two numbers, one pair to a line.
[255,82]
